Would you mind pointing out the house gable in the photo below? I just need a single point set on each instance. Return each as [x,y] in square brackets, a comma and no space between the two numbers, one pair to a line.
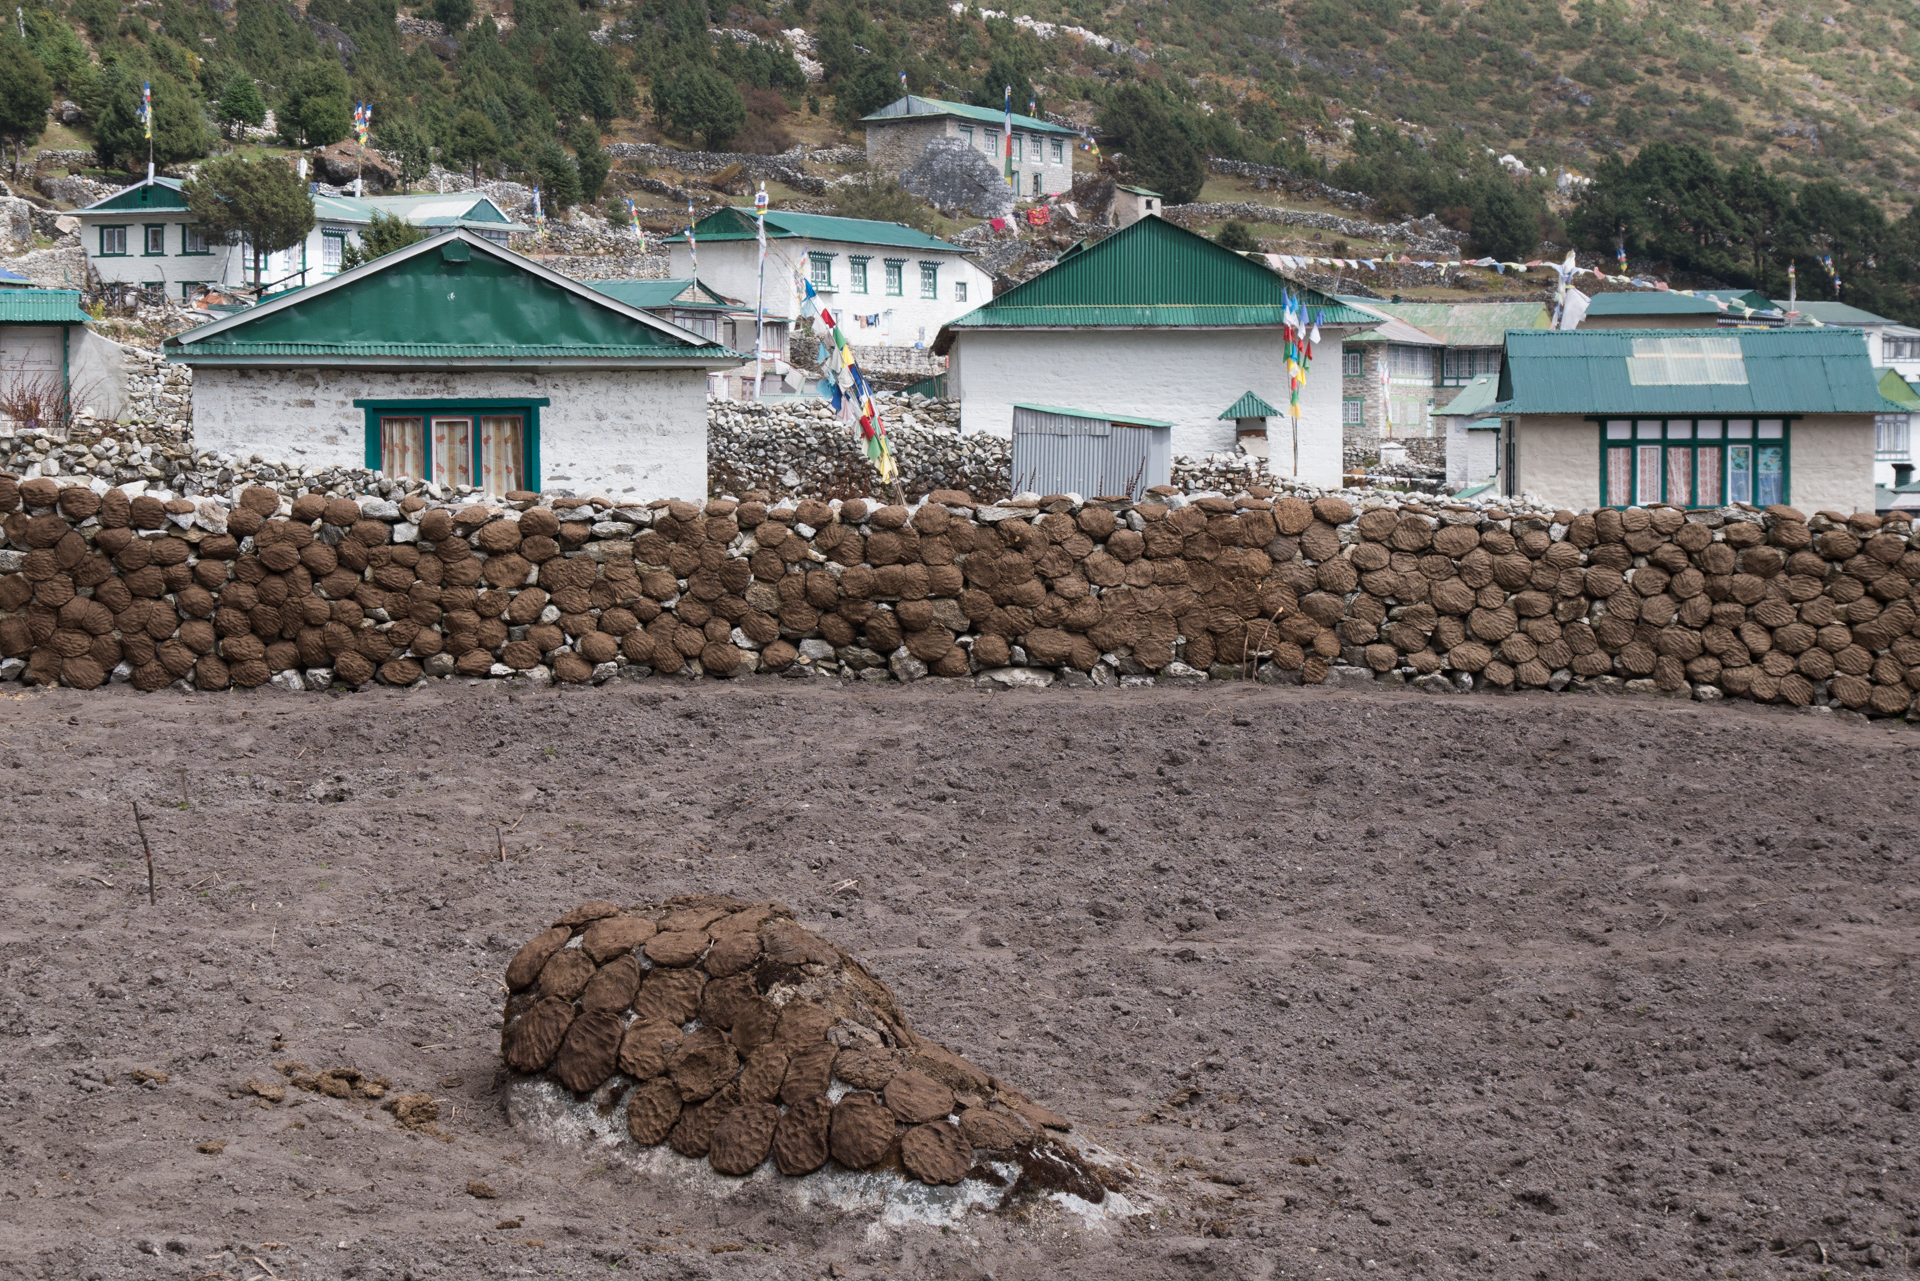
[143,197]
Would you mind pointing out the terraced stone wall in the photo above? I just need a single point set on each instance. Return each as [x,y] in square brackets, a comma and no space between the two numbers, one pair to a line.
[311,591]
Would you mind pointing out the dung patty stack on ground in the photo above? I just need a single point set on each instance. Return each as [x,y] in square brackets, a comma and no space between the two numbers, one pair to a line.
[730,1033]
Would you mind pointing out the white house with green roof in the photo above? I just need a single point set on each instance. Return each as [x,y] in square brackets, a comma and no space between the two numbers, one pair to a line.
[887,284]
[457,361]
[899,132]
[143,236]
[46,349]
[1694,419]
[1156,320]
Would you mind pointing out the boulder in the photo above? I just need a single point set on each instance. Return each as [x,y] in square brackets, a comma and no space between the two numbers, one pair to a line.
[339,164]
[951,175]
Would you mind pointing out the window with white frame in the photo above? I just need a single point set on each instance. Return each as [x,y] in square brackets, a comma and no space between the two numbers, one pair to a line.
[930,280]
[1019,147]
[959,291]
[156,239]
[1405,361]
[1899,348]
[1353,411]
[1890,437]
[1462,365]
[1059,152]
[820,270]
[992,142]
[896,273]
[1352,362]
[857,274]
[333,248]
[193,240]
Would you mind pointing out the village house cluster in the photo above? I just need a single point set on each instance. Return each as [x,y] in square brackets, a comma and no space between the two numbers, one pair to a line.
[460,362]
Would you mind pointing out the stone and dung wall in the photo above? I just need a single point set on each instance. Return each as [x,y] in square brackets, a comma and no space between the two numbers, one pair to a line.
[313,591]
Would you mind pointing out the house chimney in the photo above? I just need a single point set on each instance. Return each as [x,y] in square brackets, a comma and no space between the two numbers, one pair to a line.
[1902,475]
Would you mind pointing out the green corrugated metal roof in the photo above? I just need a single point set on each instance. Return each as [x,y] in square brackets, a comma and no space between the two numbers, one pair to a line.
[1476,398]
[1898,390]
[648,294]
[1128,420]
[913,105]
[1466,324]
[1787,371]
[1140,191]
[1835,313]
[1737,298]
[154,193]
[1250,406]
[1152,274]
[737,224]
[1650,302]
[420,303]
[41,307]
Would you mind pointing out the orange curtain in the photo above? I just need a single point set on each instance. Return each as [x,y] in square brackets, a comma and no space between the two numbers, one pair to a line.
[453,451]
[500,453]
[403,448]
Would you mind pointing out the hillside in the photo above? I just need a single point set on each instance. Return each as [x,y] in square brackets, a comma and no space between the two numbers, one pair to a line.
[1758,135]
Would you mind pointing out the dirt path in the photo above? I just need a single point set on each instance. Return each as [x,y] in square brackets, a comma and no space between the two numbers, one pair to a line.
[1490,987]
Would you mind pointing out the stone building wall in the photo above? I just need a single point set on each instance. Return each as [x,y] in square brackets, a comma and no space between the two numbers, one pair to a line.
[312,592]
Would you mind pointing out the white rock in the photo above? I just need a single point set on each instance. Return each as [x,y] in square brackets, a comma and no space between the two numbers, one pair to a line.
[290,681]
[551,614]
[1182,674]
[440,664]
[122,673]
[604,672]
[319,677]
[538,676]
[813,650]
[11,561]
[211,516]
[406,533]
[1355,678]
[905,667]
[1017,677]
[744,641]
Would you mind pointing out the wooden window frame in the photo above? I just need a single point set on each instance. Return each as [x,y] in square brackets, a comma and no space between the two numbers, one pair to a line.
[1649,432]
[121,252]
[895,277]
[146,240]
[425,410]
[857,274]
[820,269]
[187,232]
[930,282]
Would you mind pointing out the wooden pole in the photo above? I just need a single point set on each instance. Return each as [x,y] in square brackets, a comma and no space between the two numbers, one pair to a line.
[142,828]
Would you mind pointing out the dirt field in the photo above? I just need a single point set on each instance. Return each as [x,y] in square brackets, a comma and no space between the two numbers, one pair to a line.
[1429,987]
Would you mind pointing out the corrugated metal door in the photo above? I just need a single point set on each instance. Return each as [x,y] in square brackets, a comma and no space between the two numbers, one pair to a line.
[1064,454]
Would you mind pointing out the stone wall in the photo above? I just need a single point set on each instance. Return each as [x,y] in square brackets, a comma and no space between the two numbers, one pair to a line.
[1422,235]
[310,592]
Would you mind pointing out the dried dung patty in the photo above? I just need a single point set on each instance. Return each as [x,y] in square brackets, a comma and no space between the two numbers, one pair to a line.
[916,1097]
[704,1064]
[613,986]
[743,1138]
[733,953]
[676,948]
[754,1024]
[586,913]
[861,1131]
[670,996]
[761,1078]
[566,973]
[800,1140]
[865,1069]
[647,1048]
[526,963]
[694,1132]
[802,1025]
[935,1153]
[722,999]
[994,1131]
[809,1072]
[589,1050]
[652,1109]
[611,936]
[530,1041]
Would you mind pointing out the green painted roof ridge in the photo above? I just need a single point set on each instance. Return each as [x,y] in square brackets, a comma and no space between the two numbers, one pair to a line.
[966,111]
[1249,406]
[1094,415]
[41,307]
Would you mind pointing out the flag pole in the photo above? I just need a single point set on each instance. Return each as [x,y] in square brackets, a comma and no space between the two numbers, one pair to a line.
[760,299]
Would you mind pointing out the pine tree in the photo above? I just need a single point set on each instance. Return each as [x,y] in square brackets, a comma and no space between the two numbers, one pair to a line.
[553,170]
[261,203]
[472,140]
[240,104]
[594,164]
[381,236]
[24,89]
[179,129]
[317,110]
[411,150]
[699,100]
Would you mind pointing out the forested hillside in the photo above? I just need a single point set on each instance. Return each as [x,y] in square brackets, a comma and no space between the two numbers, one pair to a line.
[1724,139]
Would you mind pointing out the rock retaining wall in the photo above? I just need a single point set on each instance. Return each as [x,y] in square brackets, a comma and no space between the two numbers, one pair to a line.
[313,591]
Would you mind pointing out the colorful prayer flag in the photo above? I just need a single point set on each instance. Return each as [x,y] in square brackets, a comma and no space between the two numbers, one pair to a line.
[146,107]
[1008,142]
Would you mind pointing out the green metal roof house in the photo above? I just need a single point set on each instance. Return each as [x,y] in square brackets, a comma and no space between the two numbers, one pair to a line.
[887,284]
[1642,308]
[898,133]
[143,237]
[47,351]
[1156,320]
[458,361]
[1692,419]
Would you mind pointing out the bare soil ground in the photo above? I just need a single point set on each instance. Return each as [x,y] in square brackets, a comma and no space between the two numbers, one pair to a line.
[1429,987]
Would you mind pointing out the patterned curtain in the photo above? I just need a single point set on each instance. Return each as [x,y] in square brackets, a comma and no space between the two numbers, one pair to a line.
[403,448]
[453,451]
[501,449]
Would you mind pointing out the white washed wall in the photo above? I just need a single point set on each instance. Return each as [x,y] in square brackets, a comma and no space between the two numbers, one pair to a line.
[632,435]
[1186,377]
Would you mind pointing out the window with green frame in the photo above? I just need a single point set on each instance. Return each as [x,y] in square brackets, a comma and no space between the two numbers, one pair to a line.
[113,242]
[1694,462]
[895,269]
[857,274]
[493,445]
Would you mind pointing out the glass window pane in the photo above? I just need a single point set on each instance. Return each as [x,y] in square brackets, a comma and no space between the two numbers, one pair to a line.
[1619,429]
[403,449]
[1739,473]
[1647,491]
[1770,475]
[1770,429]
[1708,431]
[1680,475]
[453,451]
[1739,429]
[1679,430]
[1619,477]
[1647,429]
[500,453]
[1707,478]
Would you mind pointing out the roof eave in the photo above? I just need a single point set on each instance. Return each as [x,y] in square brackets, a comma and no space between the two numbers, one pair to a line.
[210,360]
